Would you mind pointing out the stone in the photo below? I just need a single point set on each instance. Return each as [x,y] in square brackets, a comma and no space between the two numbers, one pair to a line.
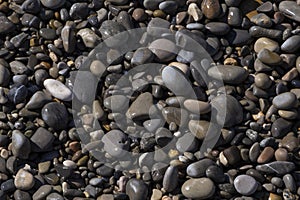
[266,155]
[68,37]
[31,6]
[53,4]
[285,101]
[79,11]
[265,43]
[42,140]
[165,50]
[197,107]
[277,167]
[47,33]
[245,185]
[228,74]
[262,20]
[211,8]
[139,109]
[58,90]
[116,102]
[152,4]
[290,142]
[6,25]
[115,143]
[262,81]
[232,155]
[290,9]
[292,44]
[198,169]
[170,179]
[176,115]
[21,147]
[42,192]
[4,76]
[18,67]
[55,115]
[98,68]
[195,12]
[168,7]
[89,37]
[18,94]
[24,180]
[158,26]
[199,128]
[200,188]
[218,28]
[187,143]
[38,100]
[234,16]
[111,33]
[118,2]
[280,127]
[136,189]
[269,57]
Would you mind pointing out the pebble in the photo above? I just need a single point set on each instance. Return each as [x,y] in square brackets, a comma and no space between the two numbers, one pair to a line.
[31,6]
[116,102]
[42,140]
[20,145]
[139,109]
[118,140]
[168,7]
[118,2]
[6,25]
[218,28]
[245,185]
[151,4]
[58,90]
[24,180]
[211,8]
[47,33]
[55,115]
[195,12]
[232,155]
[170,179]
[197,107]
[262,20]
[280,127]
[278,167]
[42,192]
[79,11]
[228,73]
[266,155]
[53,4]
[290,9]
[234,16]
[269,57]
[18,94]
[111,29]
[68,38]
[136,189]
[285,101]
[265,43]
[198,169]
[198,188]
[262,81]
[292,44]
[165,50]
[38,100]
[89,37]
[234,110]
[290,142]
[4,76]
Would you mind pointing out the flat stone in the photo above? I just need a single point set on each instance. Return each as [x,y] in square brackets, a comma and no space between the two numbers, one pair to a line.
[292,44]
[58,90]
[21,195]
[42,140]
[31,6]
[6,25]
[197,169]
[164,49]
[200,188]
[238,37]
[290,142]
[277,167]
[38,100]
[269,57]
[115,143]
[234,110]
[170,180]
[116,102]
[47,33]
[245,185]
[89,37]
[158,26]
[118,2]
[21,147]
[17,94]
[197,107]
[55,115]
[24,180]
[168,7]
[142,56]
[234,16]
[176,115]
[266,155]
[290,9]
[54,196]
[262,20]
[265,43]
[42,192]
[199,128]
[218,28]
[53,4]
[285,101]
[136,189]
[228,73]
[18,67]
[139,109]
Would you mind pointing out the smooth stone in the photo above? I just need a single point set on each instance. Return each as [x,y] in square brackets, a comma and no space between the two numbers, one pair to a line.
[53,4]
[24,180]
[47,33]
[142,56]
[31,6]
[17,94]
[290,142]
[215,173]
[168,7]
[200,188]
[234,16]
[265,43]
[195,12]
[115,143]
[58,90]
[269,57]
[292,44]
[118,2]
[234,3]
[290,75]
[98,68]
[280,127]
[136,189]
[21,195]
[288,114]
[42,192]
[18,67]
[89,37]
[84,90]
[55,115]
[234,110]
[4,76]
[211,8]
[285,101]
[199,128]
[8,186]
[289,182]
[266,7]
[139,109]
[153,124]
[187,143]
[42,140]
[157,27]
[176,115]
[151,4]
[266,155]
[111,33]
[262,20]
[228,73]
[197,107]
[238,37]
[254,152]
[245,185]
[116,102]
[21,147]
[6,25]
[38,100]
[290,9]
[232,155]
[262,81]
[176,81]
[257,31]
[54,196]
[163,136]
[170,180]
[164,49]
[218,28]
[198,169]
[68,38]
[79,11]
[277,167]
[139,15]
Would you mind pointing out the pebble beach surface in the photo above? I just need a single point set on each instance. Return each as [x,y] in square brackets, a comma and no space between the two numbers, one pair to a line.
[80,90]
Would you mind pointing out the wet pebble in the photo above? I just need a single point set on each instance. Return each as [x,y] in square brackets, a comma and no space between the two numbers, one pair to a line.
[245,185]
[198,188]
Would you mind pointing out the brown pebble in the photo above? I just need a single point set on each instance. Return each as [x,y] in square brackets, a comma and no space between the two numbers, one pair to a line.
[266,155]
[274,197]
[281,154]
[211,8]
[139,14]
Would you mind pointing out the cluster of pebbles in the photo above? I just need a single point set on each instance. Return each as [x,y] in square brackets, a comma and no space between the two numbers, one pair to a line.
[71,112]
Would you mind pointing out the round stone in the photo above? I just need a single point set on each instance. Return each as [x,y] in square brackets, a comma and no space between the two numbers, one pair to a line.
[245,185]
[53,4]
[55,115]
[228,73]
[262,81]
[24,180]
[199,188]
[265,43]
[211,8]
[285,101]
[165,50]
[116,143]
[58,90]
[136,189]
